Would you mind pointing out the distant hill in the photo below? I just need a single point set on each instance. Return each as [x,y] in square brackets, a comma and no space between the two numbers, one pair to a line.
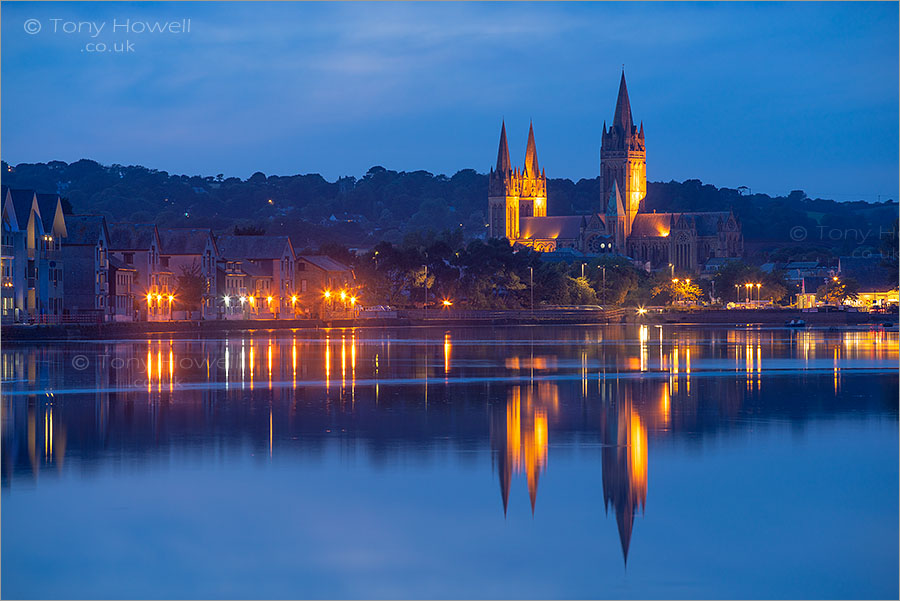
[385,205]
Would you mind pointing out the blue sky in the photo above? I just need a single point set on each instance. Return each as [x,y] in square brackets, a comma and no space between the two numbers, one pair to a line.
[772,96]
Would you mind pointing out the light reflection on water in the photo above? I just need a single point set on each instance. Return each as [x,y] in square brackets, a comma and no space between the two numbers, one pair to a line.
[517,401]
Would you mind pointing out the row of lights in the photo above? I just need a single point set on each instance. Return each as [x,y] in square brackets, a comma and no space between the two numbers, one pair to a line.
[343,296]
[252,300]
[159,298]
[749,286]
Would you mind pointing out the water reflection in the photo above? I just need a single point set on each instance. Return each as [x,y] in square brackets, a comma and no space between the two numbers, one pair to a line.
[518,396]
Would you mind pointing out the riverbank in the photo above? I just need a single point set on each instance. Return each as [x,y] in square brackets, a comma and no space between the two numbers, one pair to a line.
[120,330]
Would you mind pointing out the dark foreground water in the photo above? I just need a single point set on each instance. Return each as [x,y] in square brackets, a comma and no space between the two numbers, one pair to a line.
[514,462]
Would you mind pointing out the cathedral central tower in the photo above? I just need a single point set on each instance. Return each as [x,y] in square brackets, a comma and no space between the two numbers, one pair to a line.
[623,159]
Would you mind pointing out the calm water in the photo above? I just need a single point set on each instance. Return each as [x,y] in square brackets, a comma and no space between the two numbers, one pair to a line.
[612,461]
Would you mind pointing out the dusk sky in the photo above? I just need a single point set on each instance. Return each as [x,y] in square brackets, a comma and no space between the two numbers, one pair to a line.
[771,96]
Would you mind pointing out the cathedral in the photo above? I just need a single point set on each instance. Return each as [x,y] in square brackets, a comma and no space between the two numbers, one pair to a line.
[517,210]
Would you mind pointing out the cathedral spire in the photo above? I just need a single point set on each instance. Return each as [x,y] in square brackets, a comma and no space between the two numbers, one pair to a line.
[623,117]
[531,160]
[503,164]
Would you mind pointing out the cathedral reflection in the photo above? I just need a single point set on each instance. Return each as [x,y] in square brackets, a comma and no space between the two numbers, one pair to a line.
[398,395]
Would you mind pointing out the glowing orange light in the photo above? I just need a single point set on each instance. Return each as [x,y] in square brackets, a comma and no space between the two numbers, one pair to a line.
[447,303]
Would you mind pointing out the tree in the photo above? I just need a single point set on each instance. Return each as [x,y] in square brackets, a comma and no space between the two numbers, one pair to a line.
[836,291]
[250,230]
[736,273]
[190,287]
[613,278]
[685,291]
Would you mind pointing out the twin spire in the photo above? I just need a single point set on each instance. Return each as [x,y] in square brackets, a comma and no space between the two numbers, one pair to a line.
[504,165]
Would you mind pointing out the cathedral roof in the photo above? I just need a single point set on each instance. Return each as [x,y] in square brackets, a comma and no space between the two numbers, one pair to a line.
[651,224]
[503,164]
[615,206]
[622,118]
[548,228]
[531,160]
[659,224]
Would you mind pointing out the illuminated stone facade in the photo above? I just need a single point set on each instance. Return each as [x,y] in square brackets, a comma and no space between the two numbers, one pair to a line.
[514,194]
[518,207]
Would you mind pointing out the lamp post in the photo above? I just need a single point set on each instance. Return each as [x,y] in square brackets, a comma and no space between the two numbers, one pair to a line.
[425,290]
[531,271]
[675,289]
[737,293]
[758,286]
[582,271]
[748,285]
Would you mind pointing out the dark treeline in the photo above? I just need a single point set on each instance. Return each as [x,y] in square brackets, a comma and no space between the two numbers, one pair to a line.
[385,205]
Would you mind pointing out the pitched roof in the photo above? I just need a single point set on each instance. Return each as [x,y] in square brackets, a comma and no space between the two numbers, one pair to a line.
[531,160]
[325,263]
[256,271]
[118,264]
[47,204]
[503,164]
[131,236]
[84,229]
[615,206]
[542,228]
[659,224]
[183,241]
[252,247]
[22,203]
[622,119]
[802,265]
[651,225]
[707,223]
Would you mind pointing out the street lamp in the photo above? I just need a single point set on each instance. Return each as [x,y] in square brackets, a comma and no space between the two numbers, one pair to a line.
[737,293]
[447,303]
[582,271]
[748,286]
[758,286]
[531,272]
[425,289]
